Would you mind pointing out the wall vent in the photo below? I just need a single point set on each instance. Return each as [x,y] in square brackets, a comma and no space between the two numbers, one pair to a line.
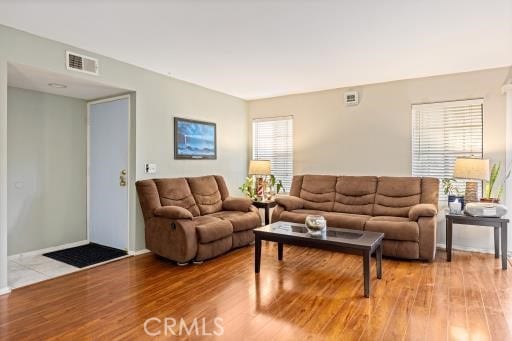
[81,63]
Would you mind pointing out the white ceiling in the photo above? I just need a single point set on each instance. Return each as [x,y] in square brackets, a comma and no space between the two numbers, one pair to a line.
[254,49]
[28,77]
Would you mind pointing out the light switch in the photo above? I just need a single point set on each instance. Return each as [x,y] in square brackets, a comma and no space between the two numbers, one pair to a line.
[150,168]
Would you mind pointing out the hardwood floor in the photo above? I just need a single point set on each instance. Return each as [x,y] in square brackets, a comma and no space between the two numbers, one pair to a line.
[312,294]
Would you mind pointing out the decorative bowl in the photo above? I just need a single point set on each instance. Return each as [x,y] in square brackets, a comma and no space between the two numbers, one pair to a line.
[315,224]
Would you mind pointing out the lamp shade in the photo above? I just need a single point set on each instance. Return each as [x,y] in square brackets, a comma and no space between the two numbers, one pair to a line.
[259,167]
[472,169]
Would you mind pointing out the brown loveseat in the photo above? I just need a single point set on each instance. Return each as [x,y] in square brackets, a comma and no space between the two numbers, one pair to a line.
[193,219]
[403,208]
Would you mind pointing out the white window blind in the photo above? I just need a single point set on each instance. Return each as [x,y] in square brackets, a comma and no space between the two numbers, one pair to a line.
[272,139]
[441,132]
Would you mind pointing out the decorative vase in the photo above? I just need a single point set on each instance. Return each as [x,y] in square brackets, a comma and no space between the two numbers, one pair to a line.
[315,224]
[459,198]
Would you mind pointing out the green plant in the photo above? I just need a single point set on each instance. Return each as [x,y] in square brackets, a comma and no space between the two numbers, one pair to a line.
[489,186]
[449,187]
[277,183]
[248,188]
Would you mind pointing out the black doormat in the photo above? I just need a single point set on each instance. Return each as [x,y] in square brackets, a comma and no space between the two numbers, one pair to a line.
[85,255]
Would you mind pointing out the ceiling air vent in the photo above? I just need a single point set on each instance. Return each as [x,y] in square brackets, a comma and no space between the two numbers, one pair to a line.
[81,63]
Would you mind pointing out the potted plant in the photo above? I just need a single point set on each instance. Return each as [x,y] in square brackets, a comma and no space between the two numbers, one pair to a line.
[452,191]
[489,194]
[275,186]
[248,188]
[272,187]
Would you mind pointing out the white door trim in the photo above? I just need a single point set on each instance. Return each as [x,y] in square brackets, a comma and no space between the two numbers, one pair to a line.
[128,166]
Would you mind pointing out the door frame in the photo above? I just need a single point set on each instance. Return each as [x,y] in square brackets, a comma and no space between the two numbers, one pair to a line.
[128,166]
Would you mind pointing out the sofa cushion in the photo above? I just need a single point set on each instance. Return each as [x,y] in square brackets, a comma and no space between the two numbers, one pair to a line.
[396,228]
[396,195]
[204,219]
[290,203]
[176,192]
[206,194]
[241,221]
[299,216]
[355,194]
[236,204]
[215,230]
[334,219]
[318,192]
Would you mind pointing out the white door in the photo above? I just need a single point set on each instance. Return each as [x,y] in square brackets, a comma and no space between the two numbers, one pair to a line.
[108,167]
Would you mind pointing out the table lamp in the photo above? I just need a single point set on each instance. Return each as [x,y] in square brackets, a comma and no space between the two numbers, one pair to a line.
[471,169]
[260,169]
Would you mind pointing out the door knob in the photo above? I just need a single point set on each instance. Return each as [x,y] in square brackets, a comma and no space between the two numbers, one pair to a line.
[122,178]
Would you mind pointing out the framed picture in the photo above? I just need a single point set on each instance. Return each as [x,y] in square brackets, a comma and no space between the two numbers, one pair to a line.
[194,139]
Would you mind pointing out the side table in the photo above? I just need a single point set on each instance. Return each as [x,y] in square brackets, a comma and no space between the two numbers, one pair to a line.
[499,224]
[267,205]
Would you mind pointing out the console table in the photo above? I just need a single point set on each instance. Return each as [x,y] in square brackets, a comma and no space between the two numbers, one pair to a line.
[499,224]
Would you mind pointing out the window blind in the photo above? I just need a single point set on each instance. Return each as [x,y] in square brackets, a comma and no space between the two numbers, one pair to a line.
[273,140]
[441,132]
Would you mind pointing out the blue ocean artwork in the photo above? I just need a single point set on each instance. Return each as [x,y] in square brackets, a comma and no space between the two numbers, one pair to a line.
[195,139]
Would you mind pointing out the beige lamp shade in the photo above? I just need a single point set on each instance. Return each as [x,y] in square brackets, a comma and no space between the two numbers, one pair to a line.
[472,169]
[259,167]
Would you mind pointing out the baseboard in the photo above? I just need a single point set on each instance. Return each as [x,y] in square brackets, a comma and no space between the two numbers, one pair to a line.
[49,249]
[470,249]
[138,252]
[5,291]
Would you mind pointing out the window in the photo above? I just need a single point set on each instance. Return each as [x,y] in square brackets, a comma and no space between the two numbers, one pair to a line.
[441,132]
[272,139]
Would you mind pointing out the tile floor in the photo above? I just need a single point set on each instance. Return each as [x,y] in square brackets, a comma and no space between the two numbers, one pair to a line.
[26,270]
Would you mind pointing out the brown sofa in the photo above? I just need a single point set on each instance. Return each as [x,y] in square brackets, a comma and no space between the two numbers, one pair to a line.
[194,219]
[403,208]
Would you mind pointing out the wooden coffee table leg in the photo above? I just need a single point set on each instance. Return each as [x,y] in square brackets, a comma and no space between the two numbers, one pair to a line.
[378,254]
[280,251]
[366,273]
[257,254]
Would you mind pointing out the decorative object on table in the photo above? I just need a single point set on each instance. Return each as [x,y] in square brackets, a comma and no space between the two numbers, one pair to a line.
[315,224]
[455,207]
[453,193]
[274,186]
[485,209]
[194,140]
[489,186]
[260,169]
[471,169]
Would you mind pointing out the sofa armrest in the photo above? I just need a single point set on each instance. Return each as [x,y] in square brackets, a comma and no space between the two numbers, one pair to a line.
[172,212]
[237,204]
[290,203]
[422,210]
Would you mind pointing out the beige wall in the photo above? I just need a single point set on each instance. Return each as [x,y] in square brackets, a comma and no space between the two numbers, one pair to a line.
[157,99]
[374,137]
[47,180]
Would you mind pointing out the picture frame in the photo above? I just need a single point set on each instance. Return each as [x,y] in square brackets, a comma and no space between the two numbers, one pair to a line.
[194,140]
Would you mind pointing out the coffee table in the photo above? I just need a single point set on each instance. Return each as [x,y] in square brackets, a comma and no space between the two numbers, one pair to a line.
[364,243]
